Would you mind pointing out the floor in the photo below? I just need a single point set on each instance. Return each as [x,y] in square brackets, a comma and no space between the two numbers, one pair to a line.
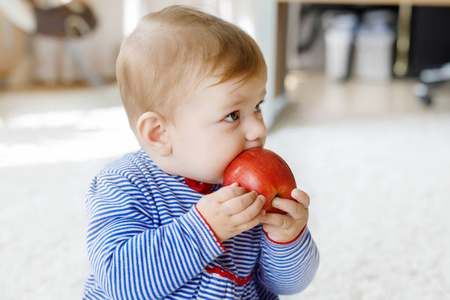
[376,163]
[321,99]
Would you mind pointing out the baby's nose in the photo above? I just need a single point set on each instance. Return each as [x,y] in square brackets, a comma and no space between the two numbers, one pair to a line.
[256,129]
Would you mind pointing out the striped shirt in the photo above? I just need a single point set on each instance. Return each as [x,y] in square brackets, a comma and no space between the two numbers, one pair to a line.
[147,240]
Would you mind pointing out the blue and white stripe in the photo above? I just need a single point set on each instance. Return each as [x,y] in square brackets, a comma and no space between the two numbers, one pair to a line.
[146,240]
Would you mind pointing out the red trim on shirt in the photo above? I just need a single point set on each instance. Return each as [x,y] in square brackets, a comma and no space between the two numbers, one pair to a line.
[201,187]
[286,243]
[227,274]
[210,229]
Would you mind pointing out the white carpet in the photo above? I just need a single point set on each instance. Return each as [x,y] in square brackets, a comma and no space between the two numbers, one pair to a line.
[380,190]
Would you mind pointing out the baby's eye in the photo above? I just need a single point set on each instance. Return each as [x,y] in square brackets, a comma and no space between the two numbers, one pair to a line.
[232,117]
[258,107]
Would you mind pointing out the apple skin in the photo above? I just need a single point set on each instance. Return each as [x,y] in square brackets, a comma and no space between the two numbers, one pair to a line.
[263,171]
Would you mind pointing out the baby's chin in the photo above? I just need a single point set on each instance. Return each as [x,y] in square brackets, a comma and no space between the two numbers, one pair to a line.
[209,180]
[215,180]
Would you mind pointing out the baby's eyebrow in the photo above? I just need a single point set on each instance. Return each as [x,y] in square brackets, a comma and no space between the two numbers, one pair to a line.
[238,101]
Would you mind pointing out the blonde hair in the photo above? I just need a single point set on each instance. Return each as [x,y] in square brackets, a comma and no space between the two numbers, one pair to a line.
[172,51]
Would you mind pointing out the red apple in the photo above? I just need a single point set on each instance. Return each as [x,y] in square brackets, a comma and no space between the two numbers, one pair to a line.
[263,171]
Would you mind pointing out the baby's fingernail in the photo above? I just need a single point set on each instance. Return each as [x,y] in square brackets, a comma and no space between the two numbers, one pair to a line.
[264,215]
[275,202]
[234,184]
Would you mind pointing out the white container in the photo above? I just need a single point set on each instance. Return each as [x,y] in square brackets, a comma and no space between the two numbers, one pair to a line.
[374,53]
[338,46]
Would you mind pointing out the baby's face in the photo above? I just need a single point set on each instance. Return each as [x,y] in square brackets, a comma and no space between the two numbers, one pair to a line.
[216,124]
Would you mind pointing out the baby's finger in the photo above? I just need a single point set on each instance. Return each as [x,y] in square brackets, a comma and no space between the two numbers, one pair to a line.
[270,229]
[301,197]
[229,192]
[250,212]
[253,222]
[277,221]
[238,204]
[293,208]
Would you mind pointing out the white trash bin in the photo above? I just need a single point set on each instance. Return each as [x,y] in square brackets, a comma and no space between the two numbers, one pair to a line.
[374,53]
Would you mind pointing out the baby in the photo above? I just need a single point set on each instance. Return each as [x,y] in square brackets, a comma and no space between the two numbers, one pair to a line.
[160,223]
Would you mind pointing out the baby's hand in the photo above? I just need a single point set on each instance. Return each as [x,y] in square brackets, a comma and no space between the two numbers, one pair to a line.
[231,210]
[285,228]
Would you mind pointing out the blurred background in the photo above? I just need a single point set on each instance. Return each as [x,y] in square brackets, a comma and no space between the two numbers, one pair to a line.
[358,105]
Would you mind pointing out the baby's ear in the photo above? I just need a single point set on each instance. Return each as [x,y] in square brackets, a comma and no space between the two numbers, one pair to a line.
[152,130]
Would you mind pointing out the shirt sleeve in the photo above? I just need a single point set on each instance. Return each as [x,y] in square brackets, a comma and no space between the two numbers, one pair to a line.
[287,268]
[133,257]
